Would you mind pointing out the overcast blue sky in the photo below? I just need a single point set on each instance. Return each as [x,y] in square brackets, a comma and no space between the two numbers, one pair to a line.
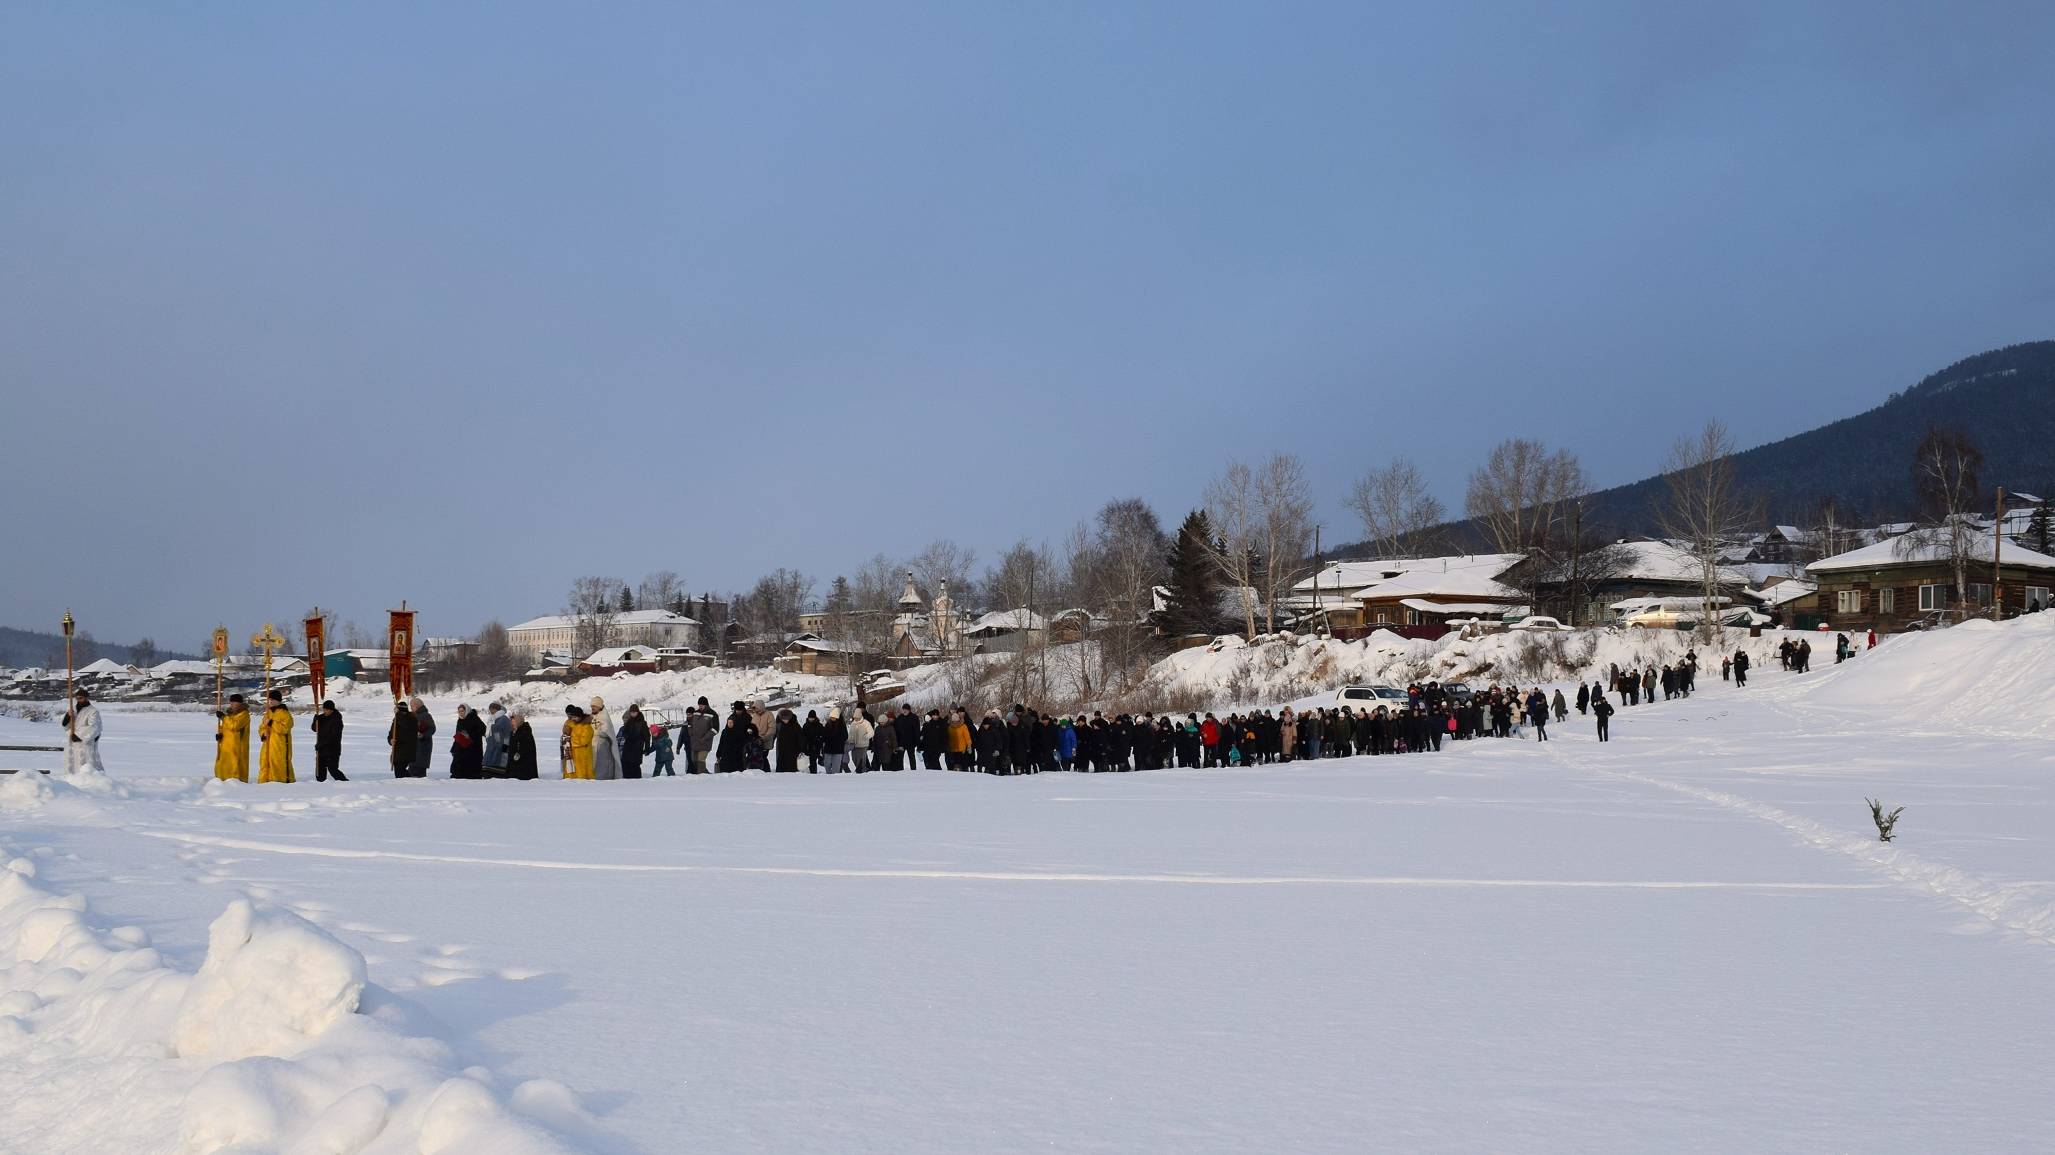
[353,302]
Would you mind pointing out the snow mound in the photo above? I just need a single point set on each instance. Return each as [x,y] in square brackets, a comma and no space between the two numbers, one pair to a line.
[271,980]
[1993,677]
[317,1061]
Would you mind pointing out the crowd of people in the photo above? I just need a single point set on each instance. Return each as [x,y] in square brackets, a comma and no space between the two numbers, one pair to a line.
[750,736]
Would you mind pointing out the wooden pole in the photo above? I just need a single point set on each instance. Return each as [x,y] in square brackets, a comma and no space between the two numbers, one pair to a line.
[70,695]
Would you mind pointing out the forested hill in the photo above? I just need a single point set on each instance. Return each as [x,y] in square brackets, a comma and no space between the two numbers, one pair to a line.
[2004,400]
[20,649]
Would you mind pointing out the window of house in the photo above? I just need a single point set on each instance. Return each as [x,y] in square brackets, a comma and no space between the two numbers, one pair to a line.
[1848,601]
[1412,617]
[1932,597]
[1979,593]
[2037,596]
[1887,601]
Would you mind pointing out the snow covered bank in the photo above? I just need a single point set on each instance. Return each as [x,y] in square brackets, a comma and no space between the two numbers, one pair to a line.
[1286,667]
[277,1044]
[1994,677]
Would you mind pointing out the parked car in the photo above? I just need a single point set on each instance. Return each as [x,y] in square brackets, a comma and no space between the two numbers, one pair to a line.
[1371,697]
[1538,622]
[1457,692]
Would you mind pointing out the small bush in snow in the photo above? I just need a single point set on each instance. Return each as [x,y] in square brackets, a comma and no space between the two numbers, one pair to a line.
[1884,821]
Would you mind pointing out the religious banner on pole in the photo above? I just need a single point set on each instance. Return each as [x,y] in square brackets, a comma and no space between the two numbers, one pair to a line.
[220,656]
[317,646]
[399,651]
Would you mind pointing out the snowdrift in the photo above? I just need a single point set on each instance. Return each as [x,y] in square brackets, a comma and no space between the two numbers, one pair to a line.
[1277,668]
[277,1044]
[1993,677]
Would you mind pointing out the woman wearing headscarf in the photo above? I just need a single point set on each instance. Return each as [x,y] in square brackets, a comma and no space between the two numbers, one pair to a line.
[605,767]
[402,736]
[520,751]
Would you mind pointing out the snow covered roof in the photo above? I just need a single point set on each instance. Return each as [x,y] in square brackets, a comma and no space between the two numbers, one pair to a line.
[620,655]
[1348,577]
[821,645]
[630,618]
[1787,591]
[104,666]
[1927,550]
[1006,620]
[1662,561]
[1426,606]
[178,666]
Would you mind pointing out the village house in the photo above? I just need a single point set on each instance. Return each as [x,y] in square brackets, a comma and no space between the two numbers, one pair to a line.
[1629,571]
[811,655]
[1414,596]
[1895,583]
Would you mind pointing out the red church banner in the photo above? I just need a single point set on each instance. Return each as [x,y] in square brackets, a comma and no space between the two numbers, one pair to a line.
[317,649]
[399,649]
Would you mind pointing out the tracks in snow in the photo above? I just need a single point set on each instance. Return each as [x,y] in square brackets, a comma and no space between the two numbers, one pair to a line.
[998,875]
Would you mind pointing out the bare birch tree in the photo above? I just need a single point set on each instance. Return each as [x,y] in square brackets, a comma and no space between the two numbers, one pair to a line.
[1702,507]
[1284,517]
[1944,481]
[1520,495]
[1395,507]
[1231,508]
[594,611]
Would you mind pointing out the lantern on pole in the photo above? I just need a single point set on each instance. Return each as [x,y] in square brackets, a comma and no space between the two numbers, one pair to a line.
[399,650]
[317,665]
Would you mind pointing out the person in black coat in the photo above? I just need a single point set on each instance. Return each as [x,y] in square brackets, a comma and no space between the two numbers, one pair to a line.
[934,740]
[1604,709]
[328,728]
[403,736]
[733,746]
[521,750]
[813,738]
[906,727]
[1583,698]
[791,740]
[467,745]
[633,743]
[1020,743]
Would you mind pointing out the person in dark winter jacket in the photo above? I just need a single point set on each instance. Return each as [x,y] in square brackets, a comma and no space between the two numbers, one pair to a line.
[813,739]
[732,748]
[791,742]
[934,740]
[520,750]
[1741,668]
[633,742]
[424,734]
[403,736]
[906,731]
[467,745]
[328,728]
[1604,709]
[1583,698]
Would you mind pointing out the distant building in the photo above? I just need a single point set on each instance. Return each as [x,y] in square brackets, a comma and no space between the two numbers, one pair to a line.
[653,628]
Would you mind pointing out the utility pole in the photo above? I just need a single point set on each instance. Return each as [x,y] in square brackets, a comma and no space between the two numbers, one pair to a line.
[1997,544]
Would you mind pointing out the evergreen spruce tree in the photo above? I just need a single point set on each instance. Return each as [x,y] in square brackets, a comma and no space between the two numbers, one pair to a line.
[627,598]
[1193,604]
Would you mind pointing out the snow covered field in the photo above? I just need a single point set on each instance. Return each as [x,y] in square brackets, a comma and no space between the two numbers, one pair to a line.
[1688,939]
